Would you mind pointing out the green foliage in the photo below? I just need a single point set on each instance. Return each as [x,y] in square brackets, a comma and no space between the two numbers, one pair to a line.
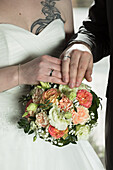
[25,114]
[34,138]
[23,123]
[94,107]
[24,99]
[69,139]
[30,132]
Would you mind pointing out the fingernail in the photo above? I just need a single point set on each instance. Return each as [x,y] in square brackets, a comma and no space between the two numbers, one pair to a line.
[65,80]
[77,84]
[71,85]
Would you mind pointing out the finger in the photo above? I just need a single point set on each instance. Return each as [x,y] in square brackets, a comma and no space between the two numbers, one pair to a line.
[73,68]
[55,73]
[52,59]
[54,66]
[56,80]
[89,71]
[65,69]
[82,68]
[50,79]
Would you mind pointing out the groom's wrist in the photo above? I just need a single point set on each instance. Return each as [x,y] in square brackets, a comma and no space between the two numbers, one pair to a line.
[78,46]
[77,43]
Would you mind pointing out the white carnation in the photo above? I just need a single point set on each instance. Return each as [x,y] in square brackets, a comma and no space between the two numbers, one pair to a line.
[57,118]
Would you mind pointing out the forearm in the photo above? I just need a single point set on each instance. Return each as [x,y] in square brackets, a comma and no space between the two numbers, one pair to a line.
[9,77]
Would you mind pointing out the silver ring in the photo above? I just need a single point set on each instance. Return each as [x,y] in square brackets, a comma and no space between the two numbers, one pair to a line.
[65,57]
[51,72]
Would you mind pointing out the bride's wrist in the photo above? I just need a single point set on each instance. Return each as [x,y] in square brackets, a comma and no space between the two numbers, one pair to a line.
[21,79]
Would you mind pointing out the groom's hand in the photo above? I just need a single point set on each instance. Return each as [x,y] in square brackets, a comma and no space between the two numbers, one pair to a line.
[77,63]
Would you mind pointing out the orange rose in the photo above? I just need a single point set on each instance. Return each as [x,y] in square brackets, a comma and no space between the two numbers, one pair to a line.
[85,98]
[57,133]
[51,94]
[65,104]
[81,116]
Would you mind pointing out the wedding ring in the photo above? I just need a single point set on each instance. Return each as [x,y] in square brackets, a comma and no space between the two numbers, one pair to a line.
[65,57]
[51,72]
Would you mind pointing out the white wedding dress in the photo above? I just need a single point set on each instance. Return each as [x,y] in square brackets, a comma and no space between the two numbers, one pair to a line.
[17,150]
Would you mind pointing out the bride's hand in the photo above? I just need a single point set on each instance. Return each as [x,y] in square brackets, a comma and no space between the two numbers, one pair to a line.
[77,63]
[39,69]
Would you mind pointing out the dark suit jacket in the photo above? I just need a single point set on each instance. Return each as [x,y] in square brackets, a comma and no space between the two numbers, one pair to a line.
[97,32]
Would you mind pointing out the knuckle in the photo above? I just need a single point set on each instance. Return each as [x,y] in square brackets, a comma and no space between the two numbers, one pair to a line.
[41,64]
[75,51]
[38,77]
[58,74]
[73,65]
[52,79]
[86,53]
[43,57]
[82,67]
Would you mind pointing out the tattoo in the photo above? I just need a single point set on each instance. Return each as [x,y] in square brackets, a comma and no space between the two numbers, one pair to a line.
[51,13]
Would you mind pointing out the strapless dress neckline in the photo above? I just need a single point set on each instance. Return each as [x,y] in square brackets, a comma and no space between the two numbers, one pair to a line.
[27,31]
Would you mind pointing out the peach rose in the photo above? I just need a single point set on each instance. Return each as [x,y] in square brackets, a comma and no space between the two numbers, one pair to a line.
[42,119]
[85,98]
[37,95]
[57,133]
[50,94]
[65,104]
[81,116]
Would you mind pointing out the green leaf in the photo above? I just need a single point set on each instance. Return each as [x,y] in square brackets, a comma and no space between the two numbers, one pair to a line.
[27,128]
[32,107]
[50,104]
[34,138]
[23,122]
[24,99]
[30,132]
[32,118]
[75,109]
[25,114]
[39,87]
[59,98]
[45,85]
[96,99]
[41,104]
[47,101]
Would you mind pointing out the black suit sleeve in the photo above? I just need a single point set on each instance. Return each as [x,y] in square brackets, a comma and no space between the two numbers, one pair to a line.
[94,31]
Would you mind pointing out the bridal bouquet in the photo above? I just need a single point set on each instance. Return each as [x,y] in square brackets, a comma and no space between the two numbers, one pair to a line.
[59,114]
